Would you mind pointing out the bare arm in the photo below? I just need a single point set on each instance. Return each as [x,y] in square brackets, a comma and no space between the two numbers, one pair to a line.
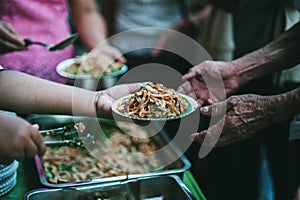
[280,54]
[92,28]
[247,114]
[28,94]
[89,23]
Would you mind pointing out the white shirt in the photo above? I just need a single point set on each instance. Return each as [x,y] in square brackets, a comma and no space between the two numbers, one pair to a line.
[133,14]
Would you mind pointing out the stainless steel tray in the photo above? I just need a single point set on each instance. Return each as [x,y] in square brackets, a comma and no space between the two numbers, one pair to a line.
[164,187]
[52,121]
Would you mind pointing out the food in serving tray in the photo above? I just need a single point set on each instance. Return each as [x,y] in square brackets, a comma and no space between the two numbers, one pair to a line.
[119,154]
[93,64]
[153,101]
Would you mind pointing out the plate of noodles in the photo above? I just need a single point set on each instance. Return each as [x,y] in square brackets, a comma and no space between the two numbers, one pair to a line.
[89,66]
[155,102]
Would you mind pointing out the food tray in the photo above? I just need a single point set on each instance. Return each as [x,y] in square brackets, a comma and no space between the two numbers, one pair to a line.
[164,187]
[180,165]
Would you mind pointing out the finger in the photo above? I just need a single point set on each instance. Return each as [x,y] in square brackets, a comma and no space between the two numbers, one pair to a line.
[190,75]
[38,140]
[159,46]
[210,101]
[8,46]
[200,102]
[226,139]
[133,87]
[118,55]
[155,52]
[31,149]
[212,134]
[12,35]
[215,109]
[124,89]
[185,88]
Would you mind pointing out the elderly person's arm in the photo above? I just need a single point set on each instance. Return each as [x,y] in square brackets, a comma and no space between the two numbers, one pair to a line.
[246,114]
[280,54]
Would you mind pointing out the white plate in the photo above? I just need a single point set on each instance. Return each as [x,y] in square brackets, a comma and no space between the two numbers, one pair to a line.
[192,106]
[66,63]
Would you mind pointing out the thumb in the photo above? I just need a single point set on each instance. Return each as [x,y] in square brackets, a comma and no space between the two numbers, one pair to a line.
[215,109]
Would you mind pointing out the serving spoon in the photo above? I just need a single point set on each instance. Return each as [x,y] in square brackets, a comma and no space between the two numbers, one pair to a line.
[61,45]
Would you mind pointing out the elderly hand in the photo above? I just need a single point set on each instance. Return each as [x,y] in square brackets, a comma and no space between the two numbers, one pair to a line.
[18,139]
[243,116]
[211,81]
[107,97]
[10,40]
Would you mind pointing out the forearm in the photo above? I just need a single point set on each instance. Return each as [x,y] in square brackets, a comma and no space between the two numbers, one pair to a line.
[284,106]
[280,54]
[29,94]
[89,23]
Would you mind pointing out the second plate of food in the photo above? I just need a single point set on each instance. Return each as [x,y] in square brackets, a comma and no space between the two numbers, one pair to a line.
[85,66]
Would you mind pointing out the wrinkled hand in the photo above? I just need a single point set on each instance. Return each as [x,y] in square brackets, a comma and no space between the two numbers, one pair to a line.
[10,40]
[109,96]
[245,115]
[18,139]
[211,81]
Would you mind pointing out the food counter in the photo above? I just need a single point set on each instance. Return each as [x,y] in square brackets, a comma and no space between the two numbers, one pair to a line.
[36,173]
[27,180]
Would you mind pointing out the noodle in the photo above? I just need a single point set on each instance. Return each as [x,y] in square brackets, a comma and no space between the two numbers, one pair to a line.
[154,101]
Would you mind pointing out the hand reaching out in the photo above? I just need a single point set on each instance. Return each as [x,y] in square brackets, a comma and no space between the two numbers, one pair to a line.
[18,139]
[244,116]
[10,40]
[107,97]
[211,81]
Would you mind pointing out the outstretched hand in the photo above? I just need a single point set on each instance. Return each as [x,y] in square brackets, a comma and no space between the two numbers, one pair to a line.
[239,118]
[211,81]
[107,97]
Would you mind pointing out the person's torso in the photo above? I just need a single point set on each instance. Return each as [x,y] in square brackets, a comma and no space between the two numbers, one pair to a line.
[39,20]
[136,14]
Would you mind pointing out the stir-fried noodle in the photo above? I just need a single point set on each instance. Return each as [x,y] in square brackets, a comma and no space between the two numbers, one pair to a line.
[154,101]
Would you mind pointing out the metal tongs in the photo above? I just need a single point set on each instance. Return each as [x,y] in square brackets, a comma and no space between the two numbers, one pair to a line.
[68,131]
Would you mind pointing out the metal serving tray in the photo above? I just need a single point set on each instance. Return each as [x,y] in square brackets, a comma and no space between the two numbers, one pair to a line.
[52,121]
[164,187]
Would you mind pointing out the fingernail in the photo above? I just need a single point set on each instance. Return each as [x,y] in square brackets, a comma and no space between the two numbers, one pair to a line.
[204,109]
[36,126]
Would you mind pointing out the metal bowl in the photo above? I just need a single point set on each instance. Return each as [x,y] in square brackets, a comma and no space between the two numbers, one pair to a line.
[88,81]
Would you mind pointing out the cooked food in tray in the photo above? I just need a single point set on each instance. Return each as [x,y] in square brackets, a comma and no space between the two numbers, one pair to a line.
[153,101]
[93,64]
[117,154]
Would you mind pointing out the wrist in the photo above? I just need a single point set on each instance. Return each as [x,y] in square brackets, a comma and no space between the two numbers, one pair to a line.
[283,106]
[249,67]
[98,108]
